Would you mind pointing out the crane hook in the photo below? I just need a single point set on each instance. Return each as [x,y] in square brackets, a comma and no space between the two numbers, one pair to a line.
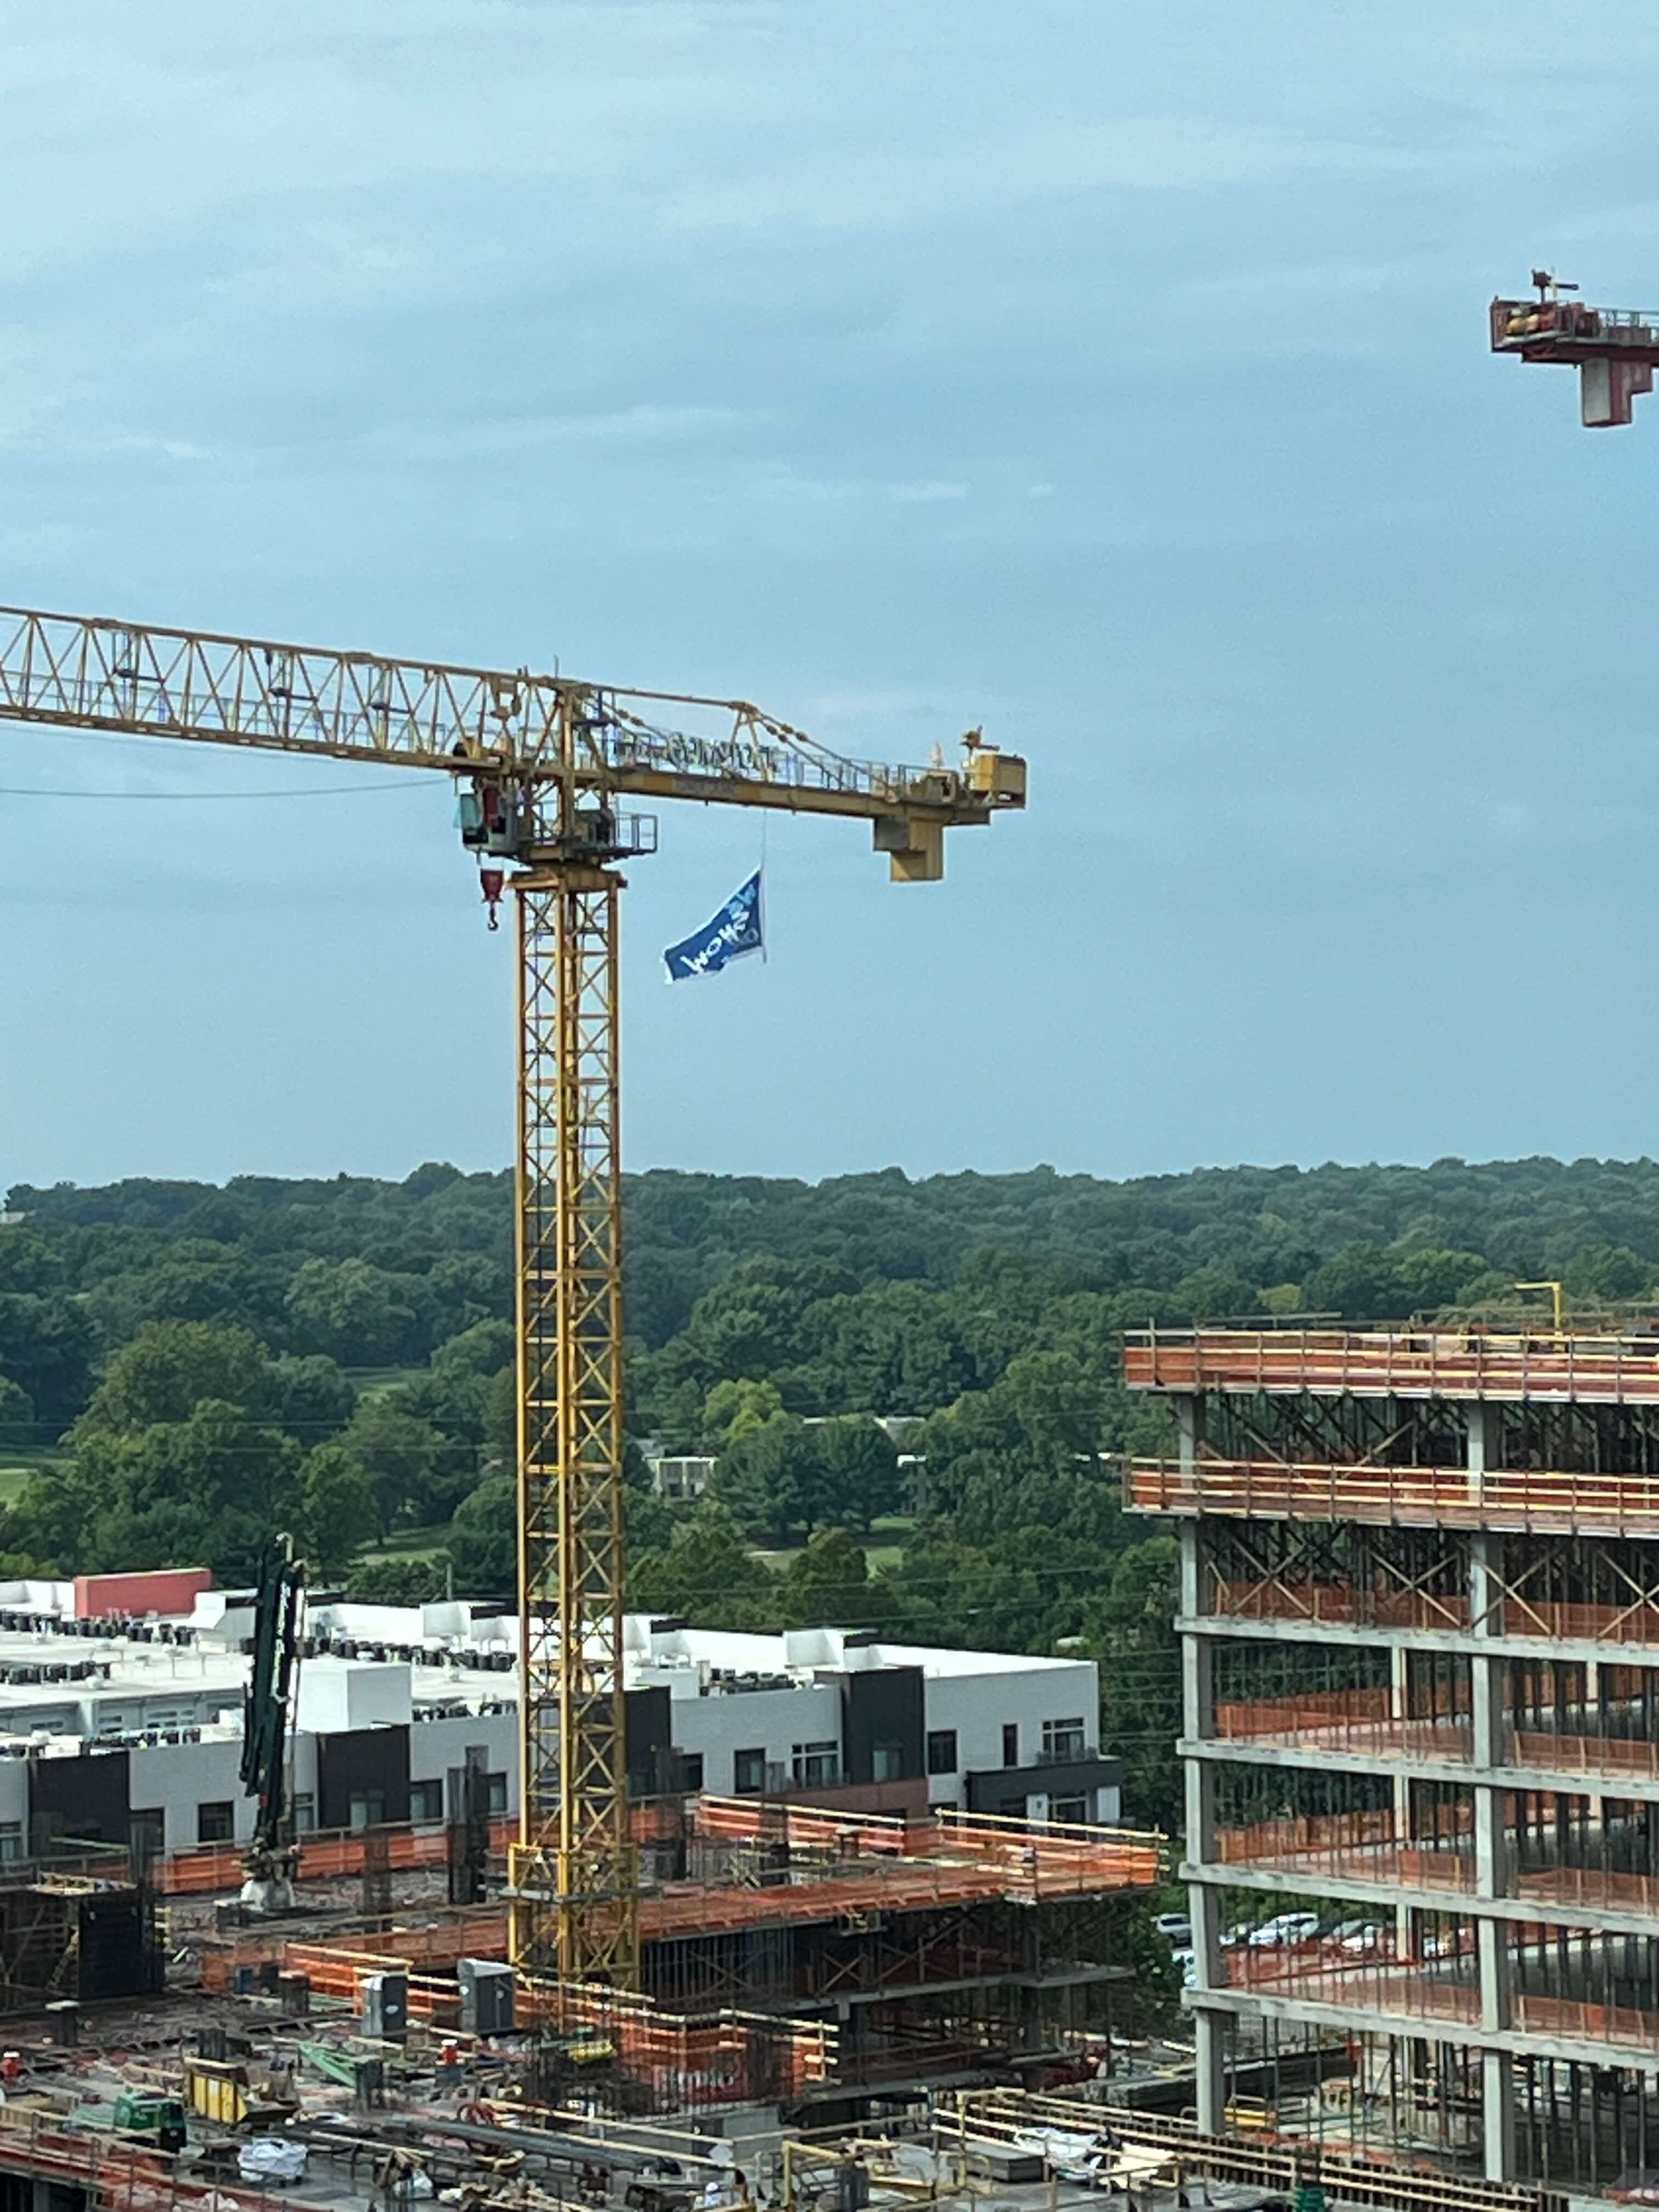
[491,881]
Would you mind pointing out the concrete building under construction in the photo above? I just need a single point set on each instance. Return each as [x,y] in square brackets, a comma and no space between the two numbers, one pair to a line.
[1420,1625]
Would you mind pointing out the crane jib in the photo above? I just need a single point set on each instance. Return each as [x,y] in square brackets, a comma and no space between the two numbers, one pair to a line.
[133,678]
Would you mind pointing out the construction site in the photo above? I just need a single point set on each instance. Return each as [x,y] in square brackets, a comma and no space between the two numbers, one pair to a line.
[756,1925]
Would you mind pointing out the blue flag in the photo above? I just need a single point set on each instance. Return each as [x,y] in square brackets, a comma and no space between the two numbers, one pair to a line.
[735,930]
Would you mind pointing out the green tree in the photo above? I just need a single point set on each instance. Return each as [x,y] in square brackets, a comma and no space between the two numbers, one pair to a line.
[861,1471]
[170,1367]
[310,1397]
[400,1581]
[16,1412]
[501,1421]
[400,1455]
[484,1542]
[827,1584]
[338,1513]
[733,1408]
[46,1348]
[774,1477]
[707,1572]
[359,1315]
[1612,1272]
[482,1349]
[211,1489]
[1130,1628]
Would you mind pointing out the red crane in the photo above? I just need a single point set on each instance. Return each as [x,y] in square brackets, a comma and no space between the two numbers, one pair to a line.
[1614,351]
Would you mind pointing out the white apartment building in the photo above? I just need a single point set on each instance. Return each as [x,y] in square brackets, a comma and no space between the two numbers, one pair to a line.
[111,1725]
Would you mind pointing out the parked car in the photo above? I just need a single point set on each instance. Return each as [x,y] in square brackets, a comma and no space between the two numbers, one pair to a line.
[1285,1928]
[1359,1937]
[1174,1927]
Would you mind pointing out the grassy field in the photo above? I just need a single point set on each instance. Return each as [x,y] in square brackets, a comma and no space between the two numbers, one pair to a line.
[412,1544]
[882,1547]
[372,1381]
[19,1461]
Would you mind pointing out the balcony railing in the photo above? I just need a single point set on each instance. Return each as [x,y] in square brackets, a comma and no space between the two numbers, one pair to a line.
[1396,1363]
[1530,1501]
[1342,1603]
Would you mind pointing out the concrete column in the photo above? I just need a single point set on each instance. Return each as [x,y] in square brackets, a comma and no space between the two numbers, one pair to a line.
[1212,2054]
[1189,1426]
[1476,1416]
[1402,1797]
[1497,2114]
[1491,1855]
[1192,1591]
[1486,1595]
[1197,1687]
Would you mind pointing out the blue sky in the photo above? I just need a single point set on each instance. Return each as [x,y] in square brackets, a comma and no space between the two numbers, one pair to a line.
[1113,378]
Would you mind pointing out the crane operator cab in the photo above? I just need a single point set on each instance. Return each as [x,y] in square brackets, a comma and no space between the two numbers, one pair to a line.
[499,822]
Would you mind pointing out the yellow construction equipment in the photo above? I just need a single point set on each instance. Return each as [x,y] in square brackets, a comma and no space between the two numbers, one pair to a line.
[541,761]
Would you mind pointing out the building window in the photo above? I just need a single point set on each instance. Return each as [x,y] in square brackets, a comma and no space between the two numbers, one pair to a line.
[886,1762]
[498,1792]
[941,1751]
[691,1771]
[368,1810]
[426,1802]
[1062,1739]
[305,1813]
[748,1772]
[215,1823]
[1011,1743]
[11,1841]
[815,1762]
[1068,1808]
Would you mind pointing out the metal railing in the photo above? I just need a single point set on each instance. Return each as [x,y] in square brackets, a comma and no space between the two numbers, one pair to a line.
[1397,1363]
[1527,1501]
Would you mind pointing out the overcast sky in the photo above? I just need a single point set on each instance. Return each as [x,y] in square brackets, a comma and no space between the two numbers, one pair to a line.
[1112,377]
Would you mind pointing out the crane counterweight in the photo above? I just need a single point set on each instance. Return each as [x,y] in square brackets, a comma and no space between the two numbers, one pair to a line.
[1614,351]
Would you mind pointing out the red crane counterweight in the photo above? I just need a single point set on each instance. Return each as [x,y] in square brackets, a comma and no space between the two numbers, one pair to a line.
[1614,351]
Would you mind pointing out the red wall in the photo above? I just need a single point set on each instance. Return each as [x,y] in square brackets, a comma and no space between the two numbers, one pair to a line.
[168,1590]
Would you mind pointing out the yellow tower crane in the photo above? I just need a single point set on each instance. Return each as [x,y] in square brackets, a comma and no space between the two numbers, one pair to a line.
[541,761]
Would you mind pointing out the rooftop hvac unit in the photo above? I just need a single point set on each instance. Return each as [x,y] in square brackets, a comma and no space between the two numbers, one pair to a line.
[486,1997]
[386,2007]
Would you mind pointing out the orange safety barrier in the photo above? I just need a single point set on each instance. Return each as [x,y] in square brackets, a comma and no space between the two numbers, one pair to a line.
[1396,1363]
[1340,1720]
[1527,1500]
[328,1855]
[323,1856]
[988,1839]
[1340,1602]
[1613,1756]
[114,2176]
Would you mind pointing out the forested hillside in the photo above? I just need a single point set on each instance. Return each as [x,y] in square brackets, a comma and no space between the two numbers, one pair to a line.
[186,1369]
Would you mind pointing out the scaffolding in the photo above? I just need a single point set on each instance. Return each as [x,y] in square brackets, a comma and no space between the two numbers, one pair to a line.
[1419,1605]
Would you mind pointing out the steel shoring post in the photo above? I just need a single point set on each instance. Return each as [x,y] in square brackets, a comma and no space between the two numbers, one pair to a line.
[575,1914]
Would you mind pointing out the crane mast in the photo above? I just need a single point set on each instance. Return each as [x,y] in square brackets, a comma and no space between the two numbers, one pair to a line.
[540,761]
